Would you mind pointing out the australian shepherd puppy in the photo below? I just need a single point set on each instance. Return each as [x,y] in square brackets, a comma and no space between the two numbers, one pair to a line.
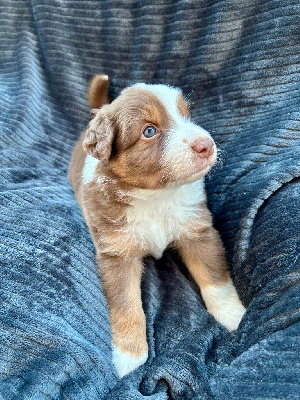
[137,172]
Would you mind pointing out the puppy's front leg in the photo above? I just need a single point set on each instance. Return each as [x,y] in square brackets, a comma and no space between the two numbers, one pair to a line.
[121,280]
[205,259]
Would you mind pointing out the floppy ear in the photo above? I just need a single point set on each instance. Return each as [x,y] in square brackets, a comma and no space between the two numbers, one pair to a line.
[100,135]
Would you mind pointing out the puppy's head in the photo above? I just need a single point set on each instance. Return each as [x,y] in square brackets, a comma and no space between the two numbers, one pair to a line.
[146,138]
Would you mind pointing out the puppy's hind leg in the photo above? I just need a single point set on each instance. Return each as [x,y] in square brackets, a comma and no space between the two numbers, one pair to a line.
[205,259]
[121,280]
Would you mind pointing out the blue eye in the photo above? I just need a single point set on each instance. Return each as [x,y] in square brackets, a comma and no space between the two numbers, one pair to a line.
[149,132]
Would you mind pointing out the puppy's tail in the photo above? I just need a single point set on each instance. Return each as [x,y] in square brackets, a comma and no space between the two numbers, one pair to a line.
[98,91]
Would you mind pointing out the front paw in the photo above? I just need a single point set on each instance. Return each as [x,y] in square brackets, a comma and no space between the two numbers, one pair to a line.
[230,316]
[130,347]
[125,362]
[223,303]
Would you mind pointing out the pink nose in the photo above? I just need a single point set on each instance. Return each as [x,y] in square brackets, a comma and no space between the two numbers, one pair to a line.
[204,147]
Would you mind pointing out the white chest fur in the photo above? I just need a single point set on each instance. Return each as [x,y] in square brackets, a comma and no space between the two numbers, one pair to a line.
[158,217]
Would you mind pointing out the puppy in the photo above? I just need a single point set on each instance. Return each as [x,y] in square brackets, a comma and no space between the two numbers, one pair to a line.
[137,172]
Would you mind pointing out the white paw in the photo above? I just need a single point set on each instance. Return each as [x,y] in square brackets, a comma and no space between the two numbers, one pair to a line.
[224,305]
[230,317]
[125,363]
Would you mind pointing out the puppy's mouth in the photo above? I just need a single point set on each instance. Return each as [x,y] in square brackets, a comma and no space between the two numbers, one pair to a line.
[191,168]
[196,173]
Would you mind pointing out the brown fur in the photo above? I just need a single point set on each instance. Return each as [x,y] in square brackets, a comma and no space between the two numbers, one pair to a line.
[129,161]
[182,106]
[130,156]
[202,251]
[98,91]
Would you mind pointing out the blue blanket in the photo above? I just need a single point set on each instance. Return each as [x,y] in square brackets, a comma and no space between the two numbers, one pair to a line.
[239,63]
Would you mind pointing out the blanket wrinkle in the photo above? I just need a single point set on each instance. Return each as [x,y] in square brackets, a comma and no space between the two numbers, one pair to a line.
[238,63]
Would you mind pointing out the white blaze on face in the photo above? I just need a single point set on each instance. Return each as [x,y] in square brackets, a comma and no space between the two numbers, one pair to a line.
[179,158]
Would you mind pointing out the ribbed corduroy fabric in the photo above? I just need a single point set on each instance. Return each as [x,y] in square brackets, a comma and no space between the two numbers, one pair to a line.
[239,63]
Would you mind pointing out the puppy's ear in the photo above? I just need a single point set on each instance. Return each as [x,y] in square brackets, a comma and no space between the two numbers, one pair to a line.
[100,134]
